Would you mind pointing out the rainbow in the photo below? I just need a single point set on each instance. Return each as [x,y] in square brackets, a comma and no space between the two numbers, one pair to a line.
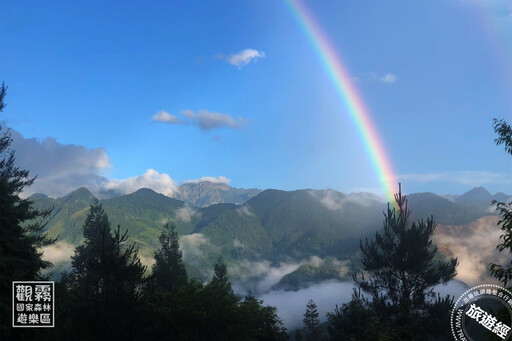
[349,96]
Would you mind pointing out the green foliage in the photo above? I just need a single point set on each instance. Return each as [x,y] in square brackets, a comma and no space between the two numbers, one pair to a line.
[169,271]
[21,228]
[311,323]
[260,322]
[211,312]
[500,272]
[400,273]
[274,225]
[106,281]
[504,131]
[358,320]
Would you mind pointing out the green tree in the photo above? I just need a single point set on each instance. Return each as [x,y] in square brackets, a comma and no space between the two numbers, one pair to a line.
[311,322]
[21,228]
[105,282]
[400,271]
[500,272]
[220,280]
[358,320]
[169,270]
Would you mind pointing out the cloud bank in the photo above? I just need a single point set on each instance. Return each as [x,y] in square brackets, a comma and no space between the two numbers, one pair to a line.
[291,305]
[60,168]
[159,182]
[474,245]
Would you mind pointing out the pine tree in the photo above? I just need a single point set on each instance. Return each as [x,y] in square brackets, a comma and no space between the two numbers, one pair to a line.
[21,228]
[169,270]
[500,272]
[106,281]
[311,323]
[220,280]
[401,270]
[258,322]
[220,306]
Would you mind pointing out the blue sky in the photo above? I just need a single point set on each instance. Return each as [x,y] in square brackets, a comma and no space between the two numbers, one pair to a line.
[88,80]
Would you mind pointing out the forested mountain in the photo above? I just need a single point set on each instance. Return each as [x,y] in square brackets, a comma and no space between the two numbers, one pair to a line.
[273,225]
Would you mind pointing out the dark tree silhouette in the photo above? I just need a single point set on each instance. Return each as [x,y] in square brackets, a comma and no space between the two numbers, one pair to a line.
[21,228]
[346,323]
[500,272]
[169,270]
[220,280]
[106,281]
[258,322]
[311,323]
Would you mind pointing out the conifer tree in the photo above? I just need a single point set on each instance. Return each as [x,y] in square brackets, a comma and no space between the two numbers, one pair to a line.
[21,227]
[258,322]
[220,279]
[401,270]
[500,272]
[169,270]
[311,323]
[106,281]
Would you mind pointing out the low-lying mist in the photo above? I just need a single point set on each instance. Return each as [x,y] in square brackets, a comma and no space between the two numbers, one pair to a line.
[291,305]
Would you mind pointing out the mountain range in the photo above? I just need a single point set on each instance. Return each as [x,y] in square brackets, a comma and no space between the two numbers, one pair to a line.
[272,225]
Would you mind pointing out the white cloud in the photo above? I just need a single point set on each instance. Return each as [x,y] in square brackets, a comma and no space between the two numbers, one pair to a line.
[165,117]
[329,198]
[474,245]
[214,180]
[203,119]
[186,213]
[260,276]
[62,168]
[245,210]
[237,243]
[291,305]
[244,57]
[59,252]
[388,78]
[208,120]
[190,245]
[335,201]
[159,182]
[472,178]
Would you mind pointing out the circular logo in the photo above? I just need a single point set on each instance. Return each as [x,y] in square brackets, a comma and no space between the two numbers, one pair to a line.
[483,312]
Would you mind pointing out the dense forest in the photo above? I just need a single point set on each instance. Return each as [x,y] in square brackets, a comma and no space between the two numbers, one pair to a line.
[108,294]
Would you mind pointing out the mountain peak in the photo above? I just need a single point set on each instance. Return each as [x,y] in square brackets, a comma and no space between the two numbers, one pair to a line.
[206,193]
[475,194]
[36,196]
[82,195]
[145,191]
